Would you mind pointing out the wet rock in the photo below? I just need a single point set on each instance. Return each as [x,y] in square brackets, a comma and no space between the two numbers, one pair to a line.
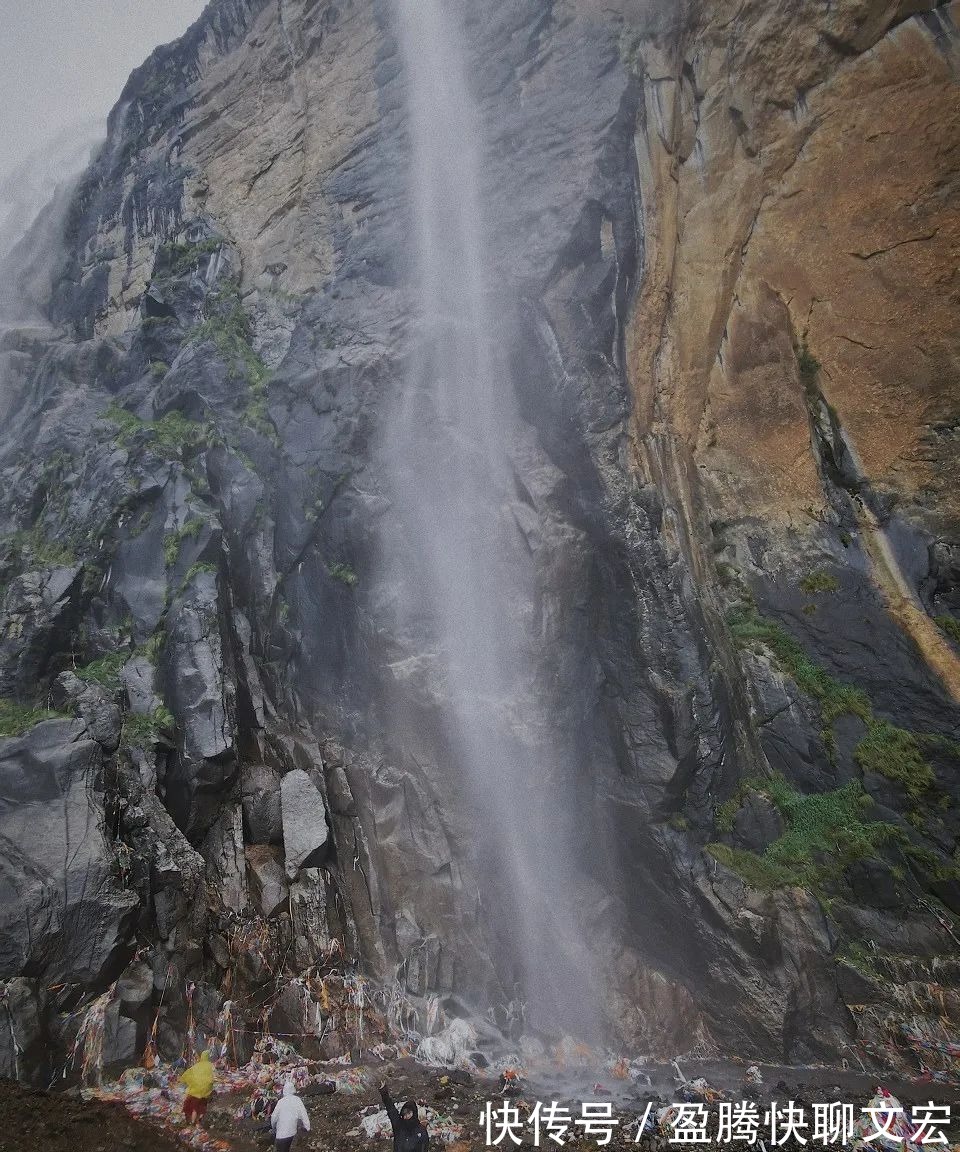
[40,609]
[757,823]
[119,1037]
[873,884]
[855,986]
[268,881]
[949,892]
[224,855]
[659,387]
[200,690]
[261,804]
[63,912]
[21,1027]
[135,986]
[138,677]
[309,915]
[97,710]
[304,814]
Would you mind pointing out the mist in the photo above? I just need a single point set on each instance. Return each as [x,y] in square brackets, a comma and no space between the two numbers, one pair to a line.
[63,64]
[464,576]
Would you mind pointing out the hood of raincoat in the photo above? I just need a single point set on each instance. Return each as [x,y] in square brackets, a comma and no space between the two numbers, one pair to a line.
[289,1089]
[199,1078]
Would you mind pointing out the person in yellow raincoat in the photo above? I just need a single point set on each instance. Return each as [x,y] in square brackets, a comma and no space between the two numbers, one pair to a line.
[199,1080]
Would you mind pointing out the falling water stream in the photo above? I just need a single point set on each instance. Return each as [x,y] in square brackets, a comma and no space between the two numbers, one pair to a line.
[465,579]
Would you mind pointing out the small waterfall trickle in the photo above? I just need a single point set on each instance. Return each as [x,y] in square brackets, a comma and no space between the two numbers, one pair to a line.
[464,601]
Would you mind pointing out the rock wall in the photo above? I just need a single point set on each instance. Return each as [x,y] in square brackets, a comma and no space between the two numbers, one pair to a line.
[727,246]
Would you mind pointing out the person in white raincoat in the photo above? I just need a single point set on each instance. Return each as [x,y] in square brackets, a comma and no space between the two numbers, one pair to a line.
[287,1117]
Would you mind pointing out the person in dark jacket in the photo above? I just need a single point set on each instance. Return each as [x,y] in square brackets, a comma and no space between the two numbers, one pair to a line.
[409,1135]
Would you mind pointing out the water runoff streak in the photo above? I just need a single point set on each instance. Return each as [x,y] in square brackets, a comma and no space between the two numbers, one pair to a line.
[463,576]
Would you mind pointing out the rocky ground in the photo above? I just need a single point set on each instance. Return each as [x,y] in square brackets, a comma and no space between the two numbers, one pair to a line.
[31,1119]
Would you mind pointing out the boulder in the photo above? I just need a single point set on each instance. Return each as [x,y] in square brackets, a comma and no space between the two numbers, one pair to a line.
[261,804]
[63,914]
[268,881]
[39,609]
[223,852]
[758,823]
[138,677]
[135,986]
[119,1036]
[97,710]
[20,1026]
[308,910]
[304,813]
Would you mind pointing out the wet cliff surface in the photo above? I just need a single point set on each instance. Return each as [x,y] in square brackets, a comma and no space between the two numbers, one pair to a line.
[725,253]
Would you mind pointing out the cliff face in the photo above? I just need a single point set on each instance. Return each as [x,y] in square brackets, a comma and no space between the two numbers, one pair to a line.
[726,252]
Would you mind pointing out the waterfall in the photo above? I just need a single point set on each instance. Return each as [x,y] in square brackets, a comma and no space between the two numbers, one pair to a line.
[464,577]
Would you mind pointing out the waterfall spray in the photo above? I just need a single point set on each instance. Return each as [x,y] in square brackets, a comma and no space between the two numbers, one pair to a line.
[465,579]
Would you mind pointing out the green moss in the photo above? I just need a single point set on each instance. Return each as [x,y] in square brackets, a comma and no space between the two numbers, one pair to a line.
[36,550]
[343,573]
[727,811]
[313,513]
[172,437]
[105,671]
[895,753]
[863,960]
[256,415]
[824,832]
[816,582]
[755,871]
[159,369]
[836,698]
[173,540]
[227,325]
[154,646]
[141,524]
[195,570]
[16,719]
[184,257]
[142,731]
[950,626]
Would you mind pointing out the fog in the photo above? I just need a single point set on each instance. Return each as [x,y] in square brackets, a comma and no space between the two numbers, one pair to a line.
[64,63]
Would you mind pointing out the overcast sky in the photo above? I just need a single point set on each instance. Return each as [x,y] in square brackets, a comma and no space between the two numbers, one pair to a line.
[64,61]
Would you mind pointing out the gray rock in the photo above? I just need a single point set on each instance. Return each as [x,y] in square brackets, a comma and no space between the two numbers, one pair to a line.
[268,881]
[97,710]
[40,609]
[21,1028]
[757,823]
[305,832]
[873,884]
[261,804]
[135,986]
[119,1037]
[63,913]
[223,852]
[138,677]
[309,912]
[610,502]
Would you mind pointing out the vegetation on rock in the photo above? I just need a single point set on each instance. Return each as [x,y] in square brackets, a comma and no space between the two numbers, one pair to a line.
[15,719]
